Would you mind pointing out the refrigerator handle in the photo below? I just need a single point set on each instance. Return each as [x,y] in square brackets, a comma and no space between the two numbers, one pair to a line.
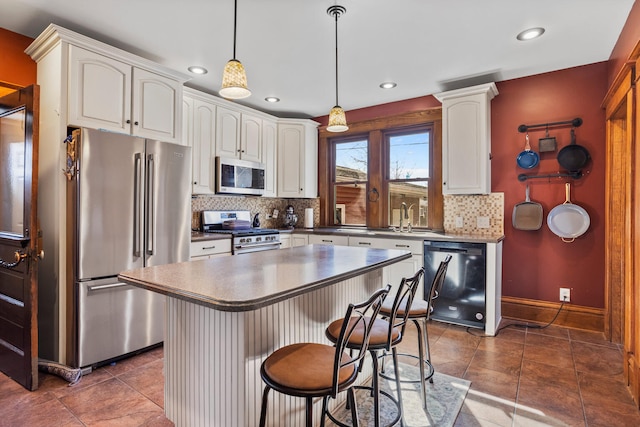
[137,184]
[150,204]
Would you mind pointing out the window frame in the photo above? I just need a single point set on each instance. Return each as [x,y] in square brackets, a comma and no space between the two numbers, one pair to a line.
[377,211]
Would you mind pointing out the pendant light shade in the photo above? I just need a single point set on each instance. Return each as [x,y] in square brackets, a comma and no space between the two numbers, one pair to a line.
[337,120]
[234,81]
[234,78]
[337,117]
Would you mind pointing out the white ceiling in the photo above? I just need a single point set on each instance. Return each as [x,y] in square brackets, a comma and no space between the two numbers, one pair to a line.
[288,46]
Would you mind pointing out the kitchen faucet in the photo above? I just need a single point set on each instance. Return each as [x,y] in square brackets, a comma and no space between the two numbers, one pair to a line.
[403,206]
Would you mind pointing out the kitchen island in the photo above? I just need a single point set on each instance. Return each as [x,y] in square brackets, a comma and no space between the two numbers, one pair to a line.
[224,316]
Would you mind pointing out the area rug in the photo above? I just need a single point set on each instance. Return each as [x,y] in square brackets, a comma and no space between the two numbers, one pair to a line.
[444,401]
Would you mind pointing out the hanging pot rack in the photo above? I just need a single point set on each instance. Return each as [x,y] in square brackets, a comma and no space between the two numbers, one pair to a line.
[573,175]
[577,122]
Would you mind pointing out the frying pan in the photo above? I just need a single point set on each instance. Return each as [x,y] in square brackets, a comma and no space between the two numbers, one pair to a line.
[573,157]
[527,215]
[567,220]
[527,159]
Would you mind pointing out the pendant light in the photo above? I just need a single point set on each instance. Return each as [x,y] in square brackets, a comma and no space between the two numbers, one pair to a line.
[234,78]
[337,118]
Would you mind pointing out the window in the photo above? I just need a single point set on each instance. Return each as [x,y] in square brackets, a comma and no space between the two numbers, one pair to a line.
[383,169]
[408,176]
[350,182]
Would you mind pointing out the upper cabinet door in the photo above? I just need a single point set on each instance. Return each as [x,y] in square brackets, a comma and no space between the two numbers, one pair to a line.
[251,138]
[204,143]
[227,133]
[156,104]
[466,139]
[99,91]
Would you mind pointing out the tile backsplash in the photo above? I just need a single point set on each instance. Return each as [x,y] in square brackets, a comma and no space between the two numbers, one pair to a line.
[466,207]
[262,205]
[469,208]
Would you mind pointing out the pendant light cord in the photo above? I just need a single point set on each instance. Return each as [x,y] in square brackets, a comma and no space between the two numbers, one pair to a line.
[235,21]
[335,14]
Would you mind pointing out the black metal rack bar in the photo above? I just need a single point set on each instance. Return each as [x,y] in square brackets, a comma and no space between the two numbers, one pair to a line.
[574,175]
[575,123]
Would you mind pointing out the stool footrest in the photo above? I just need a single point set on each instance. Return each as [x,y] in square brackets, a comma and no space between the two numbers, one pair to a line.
[428,375]
[382,393]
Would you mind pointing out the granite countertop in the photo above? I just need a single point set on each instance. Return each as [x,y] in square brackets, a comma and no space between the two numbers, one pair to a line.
[389,234]
[255,280]
[197,236]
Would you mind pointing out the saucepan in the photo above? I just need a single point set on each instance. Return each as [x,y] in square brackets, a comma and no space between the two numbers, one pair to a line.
[528,159]
[568,221]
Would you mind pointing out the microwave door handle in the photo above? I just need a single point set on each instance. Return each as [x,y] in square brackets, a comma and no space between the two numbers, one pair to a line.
[137,184]
[150,204]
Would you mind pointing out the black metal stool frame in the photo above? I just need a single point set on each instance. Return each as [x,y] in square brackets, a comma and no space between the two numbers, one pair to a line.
[360,315]
[396,325]
[423,336]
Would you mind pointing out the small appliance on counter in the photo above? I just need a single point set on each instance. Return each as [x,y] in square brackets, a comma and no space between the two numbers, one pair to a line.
[290,219]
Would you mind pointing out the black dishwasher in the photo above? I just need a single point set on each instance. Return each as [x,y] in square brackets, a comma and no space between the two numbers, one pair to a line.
[462,299]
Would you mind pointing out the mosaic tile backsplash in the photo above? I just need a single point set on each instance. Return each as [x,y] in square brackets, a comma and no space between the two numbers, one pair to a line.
[469,208]
[262,205]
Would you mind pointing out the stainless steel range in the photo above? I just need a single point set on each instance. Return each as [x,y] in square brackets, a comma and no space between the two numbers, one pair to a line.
[238,224]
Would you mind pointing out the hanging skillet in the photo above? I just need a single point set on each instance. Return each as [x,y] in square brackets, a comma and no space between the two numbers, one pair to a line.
[567,220]
[573,157]
[527,215]
[527,159]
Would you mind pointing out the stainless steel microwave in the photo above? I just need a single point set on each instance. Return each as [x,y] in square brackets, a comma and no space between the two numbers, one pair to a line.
[234,176]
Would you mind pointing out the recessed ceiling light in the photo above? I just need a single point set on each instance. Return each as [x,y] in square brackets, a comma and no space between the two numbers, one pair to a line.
[196,69]
[388,85]
[272,99]
[530,34]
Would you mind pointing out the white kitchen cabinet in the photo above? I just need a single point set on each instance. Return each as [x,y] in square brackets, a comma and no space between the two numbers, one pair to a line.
[199,129]
[394,273]
[297,158]
[251,138]
[328,239]
[203,249]
[269,157]
[106,93]
[292,240]
[239,135]
[466,139]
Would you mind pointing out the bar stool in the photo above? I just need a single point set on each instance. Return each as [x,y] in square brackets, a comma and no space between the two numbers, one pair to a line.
[386,334]
[313,370]
[419,313]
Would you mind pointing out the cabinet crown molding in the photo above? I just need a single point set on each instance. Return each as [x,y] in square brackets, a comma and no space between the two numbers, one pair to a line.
[489,89]
[54,34]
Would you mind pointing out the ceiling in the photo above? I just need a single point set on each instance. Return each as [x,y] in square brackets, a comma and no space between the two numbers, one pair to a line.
[288,46]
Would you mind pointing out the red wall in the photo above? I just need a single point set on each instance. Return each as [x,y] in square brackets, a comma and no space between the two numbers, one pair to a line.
[16,67]
[537,263]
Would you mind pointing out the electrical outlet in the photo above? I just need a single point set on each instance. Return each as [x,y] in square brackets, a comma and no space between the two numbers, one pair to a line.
[565,294]
[482,221]
[268,216]
[459,222]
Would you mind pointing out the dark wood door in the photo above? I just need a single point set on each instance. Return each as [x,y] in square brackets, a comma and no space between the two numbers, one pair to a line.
[19,236]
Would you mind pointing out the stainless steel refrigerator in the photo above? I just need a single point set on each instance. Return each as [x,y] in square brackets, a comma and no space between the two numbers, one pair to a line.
[131,204]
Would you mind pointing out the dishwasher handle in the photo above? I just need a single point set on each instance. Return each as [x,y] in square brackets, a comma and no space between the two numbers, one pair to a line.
[450,250]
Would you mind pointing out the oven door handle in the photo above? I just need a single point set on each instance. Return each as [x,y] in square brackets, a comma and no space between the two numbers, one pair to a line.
[257,245]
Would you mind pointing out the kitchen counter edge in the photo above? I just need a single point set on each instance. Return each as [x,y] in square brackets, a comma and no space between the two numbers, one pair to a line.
[416,235]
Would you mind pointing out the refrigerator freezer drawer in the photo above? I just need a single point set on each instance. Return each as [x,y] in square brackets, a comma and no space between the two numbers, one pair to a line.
[115,319]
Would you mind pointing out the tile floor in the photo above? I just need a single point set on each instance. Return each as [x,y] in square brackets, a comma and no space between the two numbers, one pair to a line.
[522,377]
